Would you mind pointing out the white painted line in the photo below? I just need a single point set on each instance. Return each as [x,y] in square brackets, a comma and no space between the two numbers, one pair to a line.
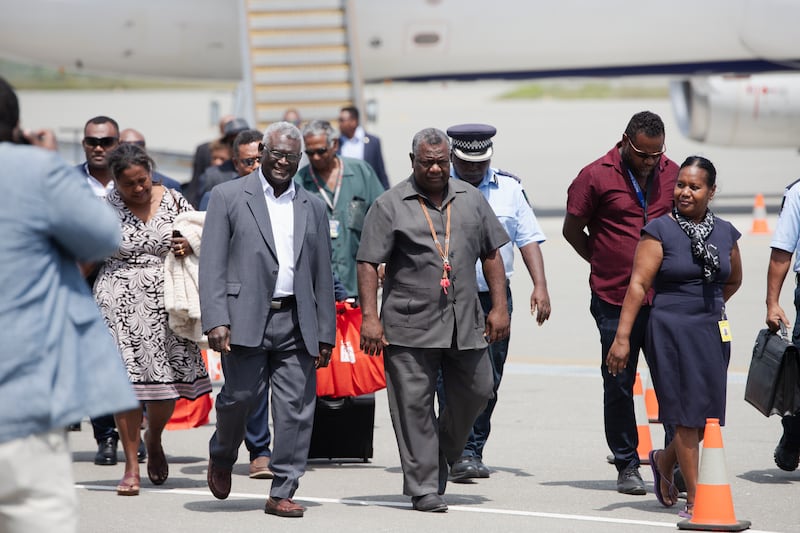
[459,508]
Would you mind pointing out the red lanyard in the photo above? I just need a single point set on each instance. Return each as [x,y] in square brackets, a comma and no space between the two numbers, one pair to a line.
[443,253]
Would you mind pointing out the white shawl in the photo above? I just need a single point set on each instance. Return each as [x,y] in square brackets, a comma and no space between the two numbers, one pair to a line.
[181,296]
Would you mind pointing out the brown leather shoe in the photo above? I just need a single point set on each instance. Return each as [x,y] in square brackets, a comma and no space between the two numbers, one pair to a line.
[259,468]
[285,508]
[219,481]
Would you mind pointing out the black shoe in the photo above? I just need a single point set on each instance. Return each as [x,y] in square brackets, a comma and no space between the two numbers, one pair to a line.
[141,451]
[483,470]
[429,503]
[106,452]
[465,468]
[786,458]
[630,482]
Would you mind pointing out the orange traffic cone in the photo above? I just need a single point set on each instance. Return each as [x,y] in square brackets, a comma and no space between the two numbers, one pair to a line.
[759,215]
[650,399]
[713,503]
[642,424]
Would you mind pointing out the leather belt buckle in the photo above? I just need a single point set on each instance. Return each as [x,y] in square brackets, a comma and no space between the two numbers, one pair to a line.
[282,303]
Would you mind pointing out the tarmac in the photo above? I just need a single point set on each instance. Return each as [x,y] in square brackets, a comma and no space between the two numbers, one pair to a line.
[547,449]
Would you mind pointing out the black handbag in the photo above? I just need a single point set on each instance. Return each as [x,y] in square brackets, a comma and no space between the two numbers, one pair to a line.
[773,381]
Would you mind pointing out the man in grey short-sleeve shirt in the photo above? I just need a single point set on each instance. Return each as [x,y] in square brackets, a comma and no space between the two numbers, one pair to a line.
[430,231]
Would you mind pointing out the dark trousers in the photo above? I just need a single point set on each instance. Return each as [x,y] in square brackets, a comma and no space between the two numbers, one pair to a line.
[104,427]
[498,352]
[257,436]
[618,413]
[282,362]
[411,375]
[791,424]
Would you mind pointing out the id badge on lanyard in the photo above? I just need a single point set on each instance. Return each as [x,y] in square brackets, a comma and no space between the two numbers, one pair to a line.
[639,193]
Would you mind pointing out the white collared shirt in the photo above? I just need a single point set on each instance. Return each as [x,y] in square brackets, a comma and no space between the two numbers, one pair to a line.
[99,190]
[281,216]
[353,147]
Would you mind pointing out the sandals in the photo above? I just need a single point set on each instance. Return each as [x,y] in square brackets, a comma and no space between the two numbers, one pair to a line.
[157,467]
[129,485]
[658,478]
[687,512]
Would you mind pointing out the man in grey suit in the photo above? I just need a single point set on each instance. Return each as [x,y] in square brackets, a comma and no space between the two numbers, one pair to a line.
[58,362]
[267,301]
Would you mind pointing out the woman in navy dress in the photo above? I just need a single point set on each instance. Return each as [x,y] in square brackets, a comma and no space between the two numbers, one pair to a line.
[692,260]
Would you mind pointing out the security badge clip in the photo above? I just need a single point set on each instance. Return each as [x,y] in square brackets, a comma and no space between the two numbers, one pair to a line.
[334,228]
[725,328]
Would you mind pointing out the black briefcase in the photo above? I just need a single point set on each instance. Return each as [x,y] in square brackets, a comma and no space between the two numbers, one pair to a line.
[343,428]
[773,381]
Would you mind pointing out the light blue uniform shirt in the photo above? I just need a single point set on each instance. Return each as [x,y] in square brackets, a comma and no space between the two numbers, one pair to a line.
[787,234]
[508,202]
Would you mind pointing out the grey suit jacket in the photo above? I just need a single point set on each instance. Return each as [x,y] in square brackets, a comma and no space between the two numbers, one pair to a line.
[239,264]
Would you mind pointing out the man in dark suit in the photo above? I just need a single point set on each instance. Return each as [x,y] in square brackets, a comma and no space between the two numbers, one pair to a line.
[267,301]
[358,144]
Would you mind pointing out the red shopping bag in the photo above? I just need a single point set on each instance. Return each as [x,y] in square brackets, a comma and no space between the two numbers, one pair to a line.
[190,414]
[351,372]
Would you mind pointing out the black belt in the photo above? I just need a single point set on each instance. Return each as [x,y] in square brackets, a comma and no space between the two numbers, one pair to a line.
[282,303]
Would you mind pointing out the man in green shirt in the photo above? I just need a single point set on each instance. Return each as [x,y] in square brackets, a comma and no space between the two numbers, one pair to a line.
[347,186]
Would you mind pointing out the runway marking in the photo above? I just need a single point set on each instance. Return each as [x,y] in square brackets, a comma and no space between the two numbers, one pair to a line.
[459,508]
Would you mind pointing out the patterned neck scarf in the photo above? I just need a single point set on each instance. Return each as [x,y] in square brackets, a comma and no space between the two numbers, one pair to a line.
[698,233]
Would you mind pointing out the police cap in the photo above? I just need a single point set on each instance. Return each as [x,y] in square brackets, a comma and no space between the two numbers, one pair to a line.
[472,142]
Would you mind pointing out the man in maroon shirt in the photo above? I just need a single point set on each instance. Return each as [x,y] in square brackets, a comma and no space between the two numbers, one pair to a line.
[613,198]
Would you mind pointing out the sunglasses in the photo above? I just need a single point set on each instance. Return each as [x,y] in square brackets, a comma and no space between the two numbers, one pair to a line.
[250,161]
[647,155]
[276,155]
[318,151]
[137,143]
[105,142]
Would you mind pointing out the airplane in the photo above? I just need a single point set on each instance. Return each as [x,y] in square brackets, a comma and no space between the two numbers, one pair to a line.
[736,63]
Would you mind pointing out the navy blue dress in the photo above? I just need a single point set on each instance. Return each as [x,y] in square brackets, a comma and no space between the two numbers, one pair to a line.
[687,358]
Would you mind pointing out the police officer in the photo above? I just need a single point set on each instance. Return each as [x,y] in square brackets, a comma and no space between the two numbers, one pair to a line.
[471,155]
[785,242]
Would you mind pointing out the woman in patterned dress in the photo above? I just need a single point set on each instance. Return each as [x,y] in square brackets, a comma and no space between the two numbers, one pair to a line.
[130,293]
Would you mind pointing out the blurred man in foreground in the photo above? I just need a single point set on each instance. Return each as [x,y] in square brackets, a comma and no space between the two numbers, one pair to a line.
[60,363]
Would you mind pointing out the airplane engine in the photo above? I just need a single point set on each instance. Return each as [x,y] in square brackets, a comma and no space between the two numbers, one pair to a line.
[762,111]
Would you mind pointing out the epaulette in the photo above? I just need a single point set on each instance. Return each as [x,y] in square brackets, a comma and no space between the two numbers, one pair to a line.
[792,184]
[509,174]
[788,188]
[517,178]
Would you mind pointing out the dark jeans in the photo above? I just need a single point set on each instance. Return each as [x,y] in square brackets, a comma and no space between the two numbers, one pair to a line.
[498,351]
[618,413]
[257,436]
[104,427]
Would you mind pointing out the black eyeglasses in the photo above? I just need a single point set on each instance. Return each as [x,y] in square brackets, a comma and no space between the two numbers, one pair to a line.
[318,151]
[250,161]
[137,143]
[105,142]
[276,155]
[647,155]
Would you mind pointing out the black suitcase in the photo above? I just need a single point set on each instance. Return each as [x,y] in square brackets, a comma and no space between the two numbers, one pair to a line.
[343,428]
